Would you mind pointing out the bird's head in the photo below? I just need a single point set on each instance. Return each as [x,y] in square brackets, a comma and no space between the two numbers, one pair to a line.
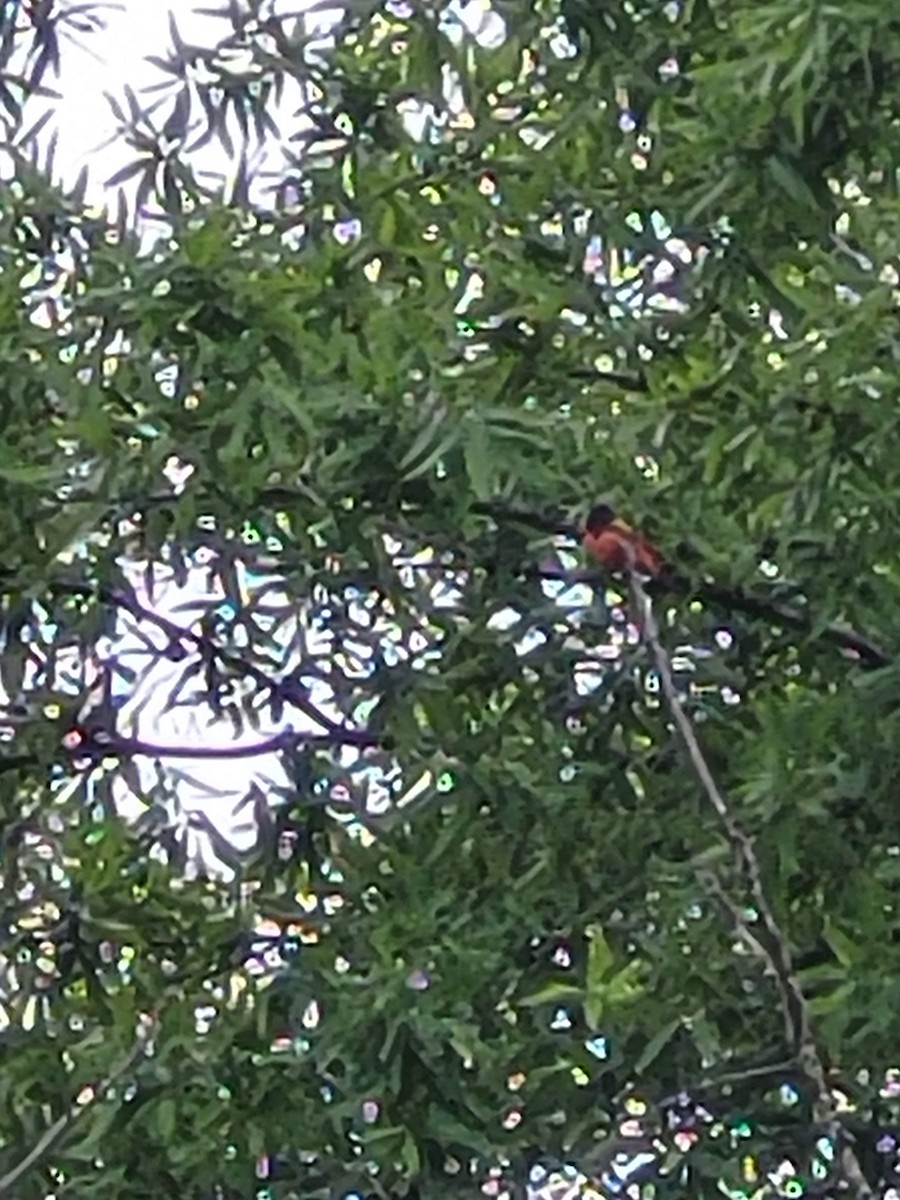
[599,518]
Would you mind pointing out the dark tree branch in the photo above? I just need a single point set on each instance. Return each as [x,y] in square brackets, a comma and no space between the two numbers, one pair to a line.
[93,745]
[101,744]
[723,596]
[712,1083]
[738,600]
[619,379]
[543,522]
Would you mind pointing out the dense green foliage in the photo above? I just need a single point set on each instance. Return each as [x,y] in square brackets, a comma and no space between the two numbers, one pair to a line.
[639,251]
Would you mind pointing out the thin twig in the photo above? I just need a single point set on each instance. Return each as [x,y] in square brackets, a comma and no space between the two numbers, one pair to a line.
[729,1078]
[63,1124]
[714,885]
[722,596]
[97,744]
[103,743]
[731,598]
[774,945]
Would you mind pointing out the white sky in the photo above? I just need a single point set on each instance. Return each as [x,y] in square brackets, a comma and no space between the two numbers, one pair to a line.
[104,62]
[111,58]
[108,60]
[96,64]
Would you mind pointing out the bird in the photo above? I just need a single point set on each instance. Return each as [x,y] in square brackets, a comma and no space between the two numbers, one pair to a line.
[618,547]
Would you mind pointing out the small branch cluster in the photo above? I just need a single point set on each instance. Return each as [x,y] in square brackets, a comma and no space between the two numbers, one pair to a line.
[90,743]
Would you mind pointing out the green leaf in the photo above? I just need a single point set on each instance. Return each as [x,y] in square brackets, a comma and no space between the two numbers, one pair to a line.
[836,1001]
[35,474]
[430,445]
[786,175]
[98,1122]
[297,408]
[166,1117]
[600,959]
[657,1044]
[387,226]
[410,1155]
[844,949]
[479,464]
[551,993]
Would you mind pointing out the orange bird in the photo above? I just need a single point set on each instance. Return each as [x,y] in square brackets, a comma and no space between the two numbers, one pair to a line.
[617,546]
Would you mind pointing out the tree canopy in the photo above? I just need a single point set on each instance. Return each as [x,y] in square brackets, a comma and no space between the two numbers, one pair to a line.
[358,836]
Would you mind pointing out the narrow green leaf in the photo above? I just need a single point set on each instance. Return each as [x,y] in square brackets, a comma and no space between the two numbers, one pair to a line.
[792,182]
[477,450]
[600,956]
[656,1045]
[425,437]
[552,993]
[844,949]
[387,226]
